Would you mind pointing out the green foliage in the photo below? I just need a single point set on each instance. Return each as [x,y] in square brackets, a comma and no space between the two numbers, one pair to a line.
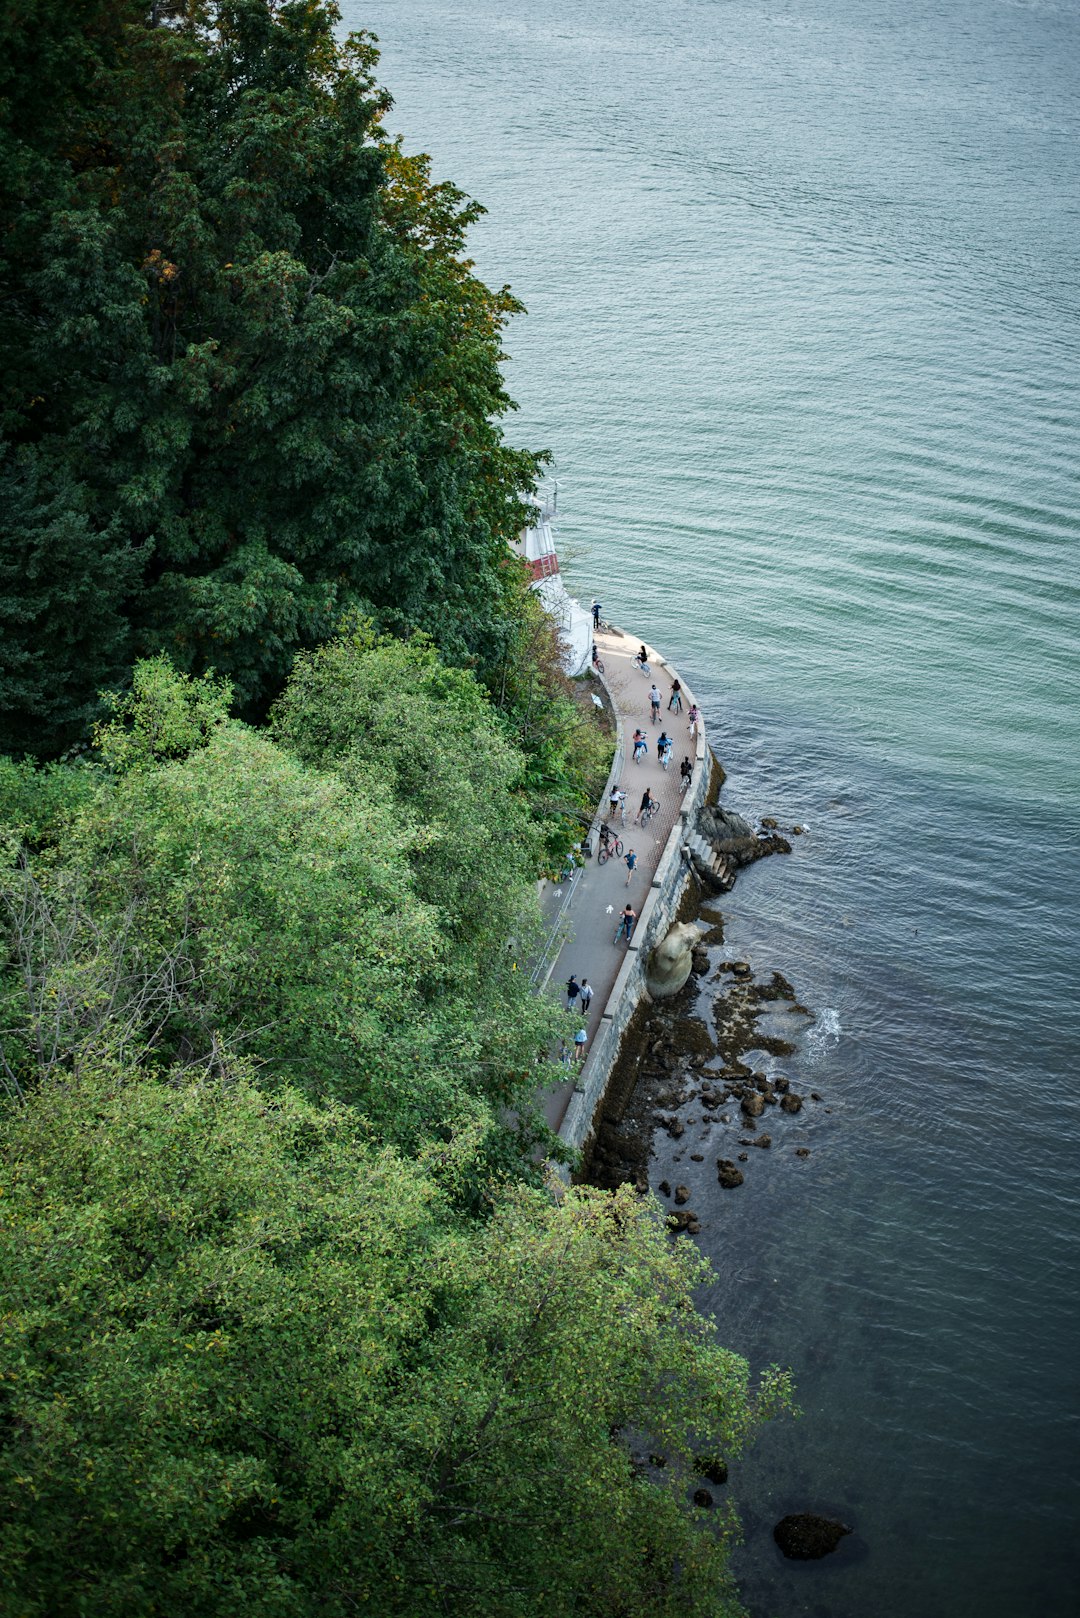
[348,925]
[567,752]
[37,804]
[252,1363]
[246,351]
[63,582]
[165,715]
[375,708]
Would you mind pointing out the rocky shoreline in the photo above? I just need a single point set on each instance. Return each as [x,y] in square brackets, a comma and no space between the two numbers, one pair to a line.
[692,1048]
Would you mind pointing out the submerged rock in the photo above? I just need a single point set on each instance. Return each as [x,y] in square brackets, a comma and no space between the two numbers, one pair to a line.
[727,1174]
[804,1538]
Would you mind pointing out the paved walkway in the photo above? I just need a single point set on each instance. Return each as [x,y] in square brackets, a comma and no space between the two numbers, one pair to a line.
[600,891]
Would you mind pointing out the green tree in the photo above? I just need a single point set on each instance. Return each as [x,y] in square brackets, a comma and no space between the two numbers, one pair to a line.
[252,1363]
[248,349]
[63,625]
[314,913]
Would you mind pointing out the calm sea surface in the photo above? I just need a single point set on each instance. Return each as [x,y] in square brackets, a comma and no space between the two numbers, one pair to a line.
[804,338]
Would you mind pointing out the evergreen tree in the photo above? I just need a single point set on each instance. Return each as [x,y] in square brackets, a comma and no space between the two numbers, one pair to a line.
[244,340]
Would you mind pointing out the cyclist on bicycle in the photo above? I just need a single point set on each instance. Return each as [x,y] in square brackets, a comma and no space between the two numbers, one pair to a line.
[663,749]
[627,921]
[686,770]
[647,807]
[605,834]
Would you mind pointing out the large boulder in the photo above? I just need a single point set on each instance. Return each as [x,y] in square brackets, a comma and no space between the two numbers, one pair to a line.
[804,1538]
[729,834]
[670,963]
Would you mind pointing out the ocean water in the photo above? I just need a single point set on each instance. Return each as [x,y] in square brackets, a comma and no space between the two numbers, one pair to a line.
[803,338]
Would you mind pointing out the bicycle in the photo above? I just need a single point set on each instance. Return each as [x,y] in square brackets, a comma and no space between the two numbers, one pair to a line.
[598,664]
[647,814]
[611,850]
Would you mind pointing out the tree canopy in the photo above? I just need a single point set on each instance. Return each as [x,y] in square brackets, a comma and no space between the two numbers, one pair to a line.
[253,1363]
[250,380]
[354,916]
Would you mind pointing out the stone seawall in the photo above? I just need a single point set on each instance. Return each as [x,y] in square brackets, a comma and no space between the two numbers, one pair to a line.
[656,915]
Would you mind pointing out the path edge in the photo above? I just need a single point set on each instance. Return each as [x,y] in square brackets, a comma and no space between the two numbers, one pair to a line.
[673,872]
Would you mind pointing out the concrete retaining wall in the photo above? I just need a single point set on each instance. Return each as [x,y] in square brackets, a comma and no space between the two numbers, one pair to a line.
[654,919]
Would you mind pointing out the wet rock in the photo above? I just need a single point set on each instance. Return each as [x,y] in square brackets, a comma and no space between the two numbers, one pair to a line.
[693,1227]
[753,1104]
[742,969]
[769,823]
[762,1140]
[682,1195]
[804,1538]
[703,1498]
[664,1188]
[781,1084]
[814,1096]
[696,1157]
[699,962]
[675,1127]
[727,1174]
[797,831]
[802,1151]
[679,1221]
[711,1467]
[791,1102]
[744,1157]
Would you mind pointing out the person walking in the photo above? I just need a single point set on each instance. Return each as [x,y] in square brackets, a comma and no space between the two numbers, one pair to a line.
[644,807]
[675,699]
[630,861]
[627,922]
[614,800]
[573,989]
[663,749]
[692,719]
[580,1041]
[654,701]
[585,994]
[641,746]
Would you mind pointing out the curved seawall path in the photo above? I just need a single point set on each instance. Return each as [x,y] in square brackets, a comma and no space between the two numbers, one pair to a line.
[588,914]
